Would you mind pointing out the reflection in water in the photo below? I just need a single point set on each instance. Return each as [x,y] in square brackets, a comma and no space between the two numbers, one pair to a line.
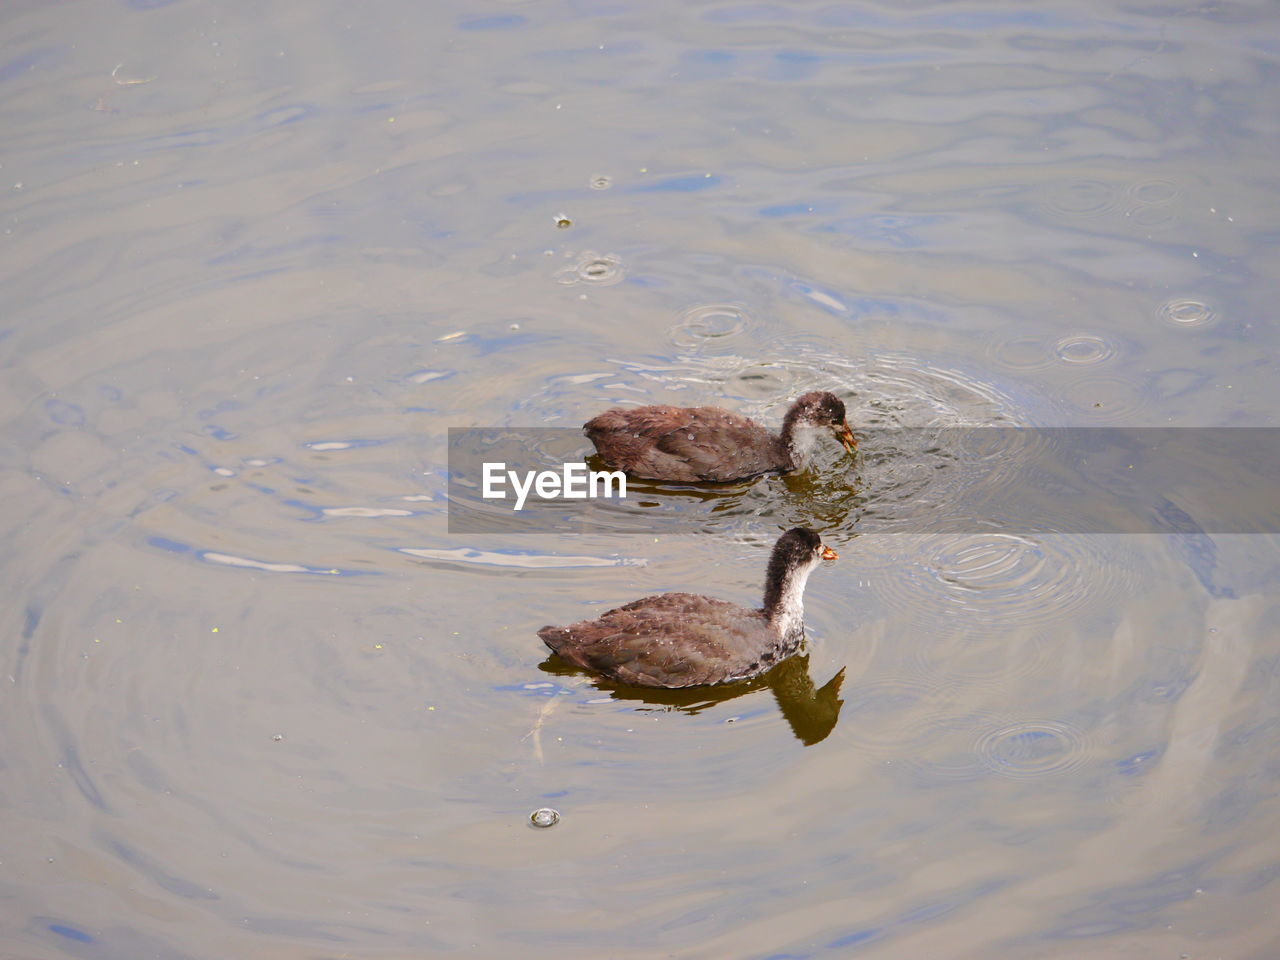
[811,712]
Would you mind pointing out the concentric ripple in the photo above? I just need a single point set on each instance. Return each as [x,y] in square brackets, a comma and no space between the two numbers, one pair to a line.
[1187,312]
[1081,197]
[1107,399]
[1084,349]
[887,716]
[599,269]
[713,321]
[989,578]
[1021,353]
[982,657]
[1033,748]
[1155,191]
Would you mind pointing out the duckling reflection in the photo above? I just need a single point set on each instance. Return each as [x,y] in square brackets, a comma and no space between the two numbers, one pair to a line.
[811,712]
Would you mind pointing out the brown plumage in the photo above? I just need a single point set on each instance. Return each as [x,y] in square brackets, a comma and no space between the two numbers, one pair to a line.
[686,640]
[701,444]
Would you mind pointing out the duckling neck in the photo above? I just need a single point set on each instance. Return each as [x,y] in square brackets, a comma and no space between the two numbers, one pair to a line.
[784,600]
[799,440]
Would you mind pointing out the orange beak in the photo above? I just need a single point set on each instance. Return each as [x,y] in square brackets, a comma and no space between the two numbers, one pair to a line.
[847,438]
[829,554]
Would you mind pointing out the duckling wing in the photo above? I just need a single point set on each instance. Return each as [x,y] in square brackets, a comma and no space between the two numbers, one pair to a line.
[684,444]
[672,640]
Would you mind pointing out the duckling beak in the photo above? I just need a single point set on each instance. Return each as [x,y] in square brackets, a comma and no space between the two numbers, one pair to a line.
[829,554]
[847,438]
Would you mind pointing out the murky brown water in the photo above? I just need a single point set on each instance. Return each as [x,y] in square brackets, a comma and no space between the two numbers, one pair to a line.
[261,704]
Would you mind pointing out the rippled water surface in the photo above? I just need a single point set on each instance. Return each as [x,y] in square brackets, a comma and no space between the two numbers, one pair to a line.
[260,703]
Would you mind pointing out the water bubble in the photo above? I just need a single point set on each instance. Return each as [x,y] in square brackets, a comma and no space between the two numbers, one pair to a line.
[544,817]
[601,182]
[1186,312]
[713,321]
[563,222]
[1084,348]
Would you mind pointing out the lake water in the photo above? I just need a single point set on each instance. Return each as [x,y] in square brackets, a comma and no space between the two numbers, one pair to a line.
[259,702]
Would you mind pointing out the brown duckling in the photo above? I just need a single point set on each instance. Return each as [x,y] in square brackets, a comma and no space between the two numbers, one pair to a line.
[692,444]
[686,640]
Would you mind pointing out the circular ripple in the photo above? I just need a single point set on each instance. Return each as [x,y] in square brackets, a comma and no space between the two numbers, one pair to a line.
[1186,312]
[601,182]
[1000,578]
[1081,198]
[981,657]
[1021,353]
[951,756]
[713,321]
[1152,217]
[1155,191]
[595,268]
[885,716]
[1107,399]
[1084,348]
[1033,748]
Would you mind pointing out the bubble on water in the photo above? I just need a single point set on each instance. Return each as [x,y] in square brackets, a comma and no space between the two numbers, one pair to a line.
[544,817]
[601,182]
[1186,312]
[1084,348]
[562,222]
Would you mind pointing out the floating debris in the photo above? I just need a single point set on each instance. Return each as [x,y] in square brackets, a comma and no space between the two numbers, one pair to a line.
[563,222]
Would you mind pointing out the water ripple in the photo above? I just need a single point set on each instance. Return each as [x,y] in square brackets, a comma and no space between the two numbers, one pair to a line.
[1186,312]
[712,321]
[992,578]
[1084,348]
[599,269]
[1033,748]
[886,716]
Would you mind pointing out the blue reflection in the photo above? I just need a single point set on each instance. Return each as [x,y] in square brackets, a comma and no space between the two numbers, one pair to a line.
[690,184]
[71,933]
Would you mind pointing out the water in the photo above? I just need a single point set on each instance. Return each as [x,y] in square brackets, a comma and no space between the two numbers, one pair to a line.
[260,703]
